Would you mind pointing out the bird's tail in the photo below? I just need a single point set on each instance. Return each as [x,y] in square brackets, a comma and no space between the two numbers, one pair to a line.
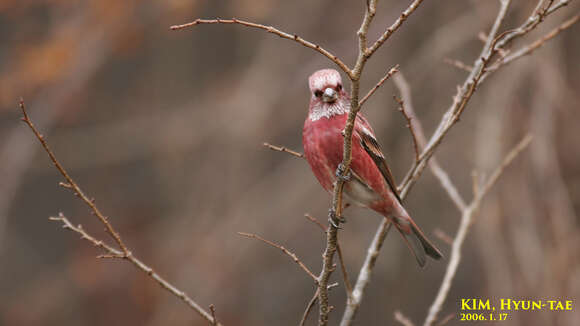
[416,240]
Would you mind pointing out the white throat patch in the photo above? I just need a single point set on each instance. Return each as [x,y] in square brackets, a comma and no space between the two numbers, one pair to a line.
[328,110]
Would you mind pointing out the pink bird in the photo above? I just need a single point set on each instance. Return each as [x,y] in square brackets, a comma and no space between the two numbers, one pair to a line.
[371,183]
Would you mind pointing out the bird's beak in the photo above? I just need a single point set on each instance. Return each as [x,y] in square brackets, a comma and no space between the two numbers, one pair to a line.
[329,95]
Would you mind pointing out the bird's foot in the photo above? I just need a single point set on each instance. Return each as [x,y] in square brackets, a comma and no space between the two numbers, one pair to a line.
[334,219]
[342,173]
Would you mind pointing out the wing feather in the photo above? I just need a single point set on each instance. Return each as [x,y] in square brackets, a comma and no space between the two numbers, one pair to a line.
[372,147]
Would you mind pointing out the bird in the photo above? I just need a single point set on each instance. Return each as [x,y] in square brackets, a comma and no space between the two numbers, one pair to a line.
[370,182]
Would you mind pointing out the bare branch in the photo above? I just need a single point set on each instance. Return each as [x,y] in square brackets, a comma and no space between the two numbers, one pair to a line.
[464,94]
[272,30]
[443,236]
[390,73]
[409,125]
[124,253]
[458,64]
[315,221]
[436,169]
[309,308]
[528,49]
[336,209]
[138,264]
[212,310]
[403,319]
[499,170]
[283,149]
[284,250]
[347,285]
[70,183]
[446,320]
[537,16]
[412,7]
[364,276]
[466,221]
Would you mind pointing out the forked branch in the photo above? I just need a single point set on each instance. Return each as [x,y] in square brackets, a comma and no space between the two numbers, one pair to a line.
[466,222]
[110,251]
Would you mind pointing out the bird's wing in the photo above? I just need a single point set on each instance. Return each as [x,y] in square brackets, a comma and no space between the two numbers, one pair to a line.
[372,147]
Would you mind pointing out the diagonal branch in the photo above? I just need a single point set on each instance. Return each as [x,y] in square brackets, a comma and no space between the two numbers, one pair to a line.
[364,276]
[124,252]
[464,94]
[466,222]
[71,184]
[458,64]
[528,49]
[449,119]
[272,30]
[389,74]
[419,137]
[412,7]
[284,250]
[112,252]
[283,149]
[402,319]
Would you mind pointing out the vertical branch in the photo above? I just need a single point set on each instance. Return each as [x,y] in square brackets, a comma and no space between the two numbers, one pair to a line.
[342,172]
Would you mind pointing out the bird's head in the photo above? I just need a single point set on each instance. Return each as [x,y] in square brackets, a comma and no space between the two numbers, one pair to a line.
[328,97]
[326,86]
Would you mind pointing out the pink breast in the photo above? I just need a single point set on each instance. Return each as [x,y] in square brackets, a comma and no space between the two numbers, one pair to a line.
[323,144]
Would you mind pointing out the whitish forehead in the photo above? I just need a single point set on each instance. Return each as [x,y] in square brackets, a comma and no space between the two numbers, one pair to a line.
[322,78]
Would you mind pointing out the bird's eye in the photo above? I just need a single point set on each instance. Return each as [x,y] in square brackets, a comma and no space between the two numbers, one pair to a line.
[339,87]
[318,93]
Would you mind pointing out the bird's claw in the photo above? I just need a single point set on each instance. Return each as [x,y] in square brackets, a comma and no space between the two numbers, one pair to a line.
[342,173]
[334,219]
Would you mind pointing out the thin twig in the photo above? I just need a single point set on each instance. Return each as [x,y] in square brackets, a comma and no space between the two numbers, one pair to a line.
[444,179]
[443,236]
[412,7]
[390,73]
[309,308]
[124,253]
[466,221]
[458,64]
[446,320]
[403,319]
[364,275]
[347,285]
[315,221]
[138,264]
[284,250]
[283,149]
[272,30]
[528,49]
[538,15]
[409,125]
[212,310]
[71,183]
[464,94]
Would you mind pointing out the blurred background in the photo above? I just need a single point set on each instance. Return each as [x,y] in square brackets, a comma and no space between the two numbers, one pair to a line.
[165,129]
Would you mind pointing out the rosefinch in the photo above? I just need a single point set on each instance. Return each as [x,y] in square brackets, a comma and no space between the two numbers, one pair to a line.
[370,182]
